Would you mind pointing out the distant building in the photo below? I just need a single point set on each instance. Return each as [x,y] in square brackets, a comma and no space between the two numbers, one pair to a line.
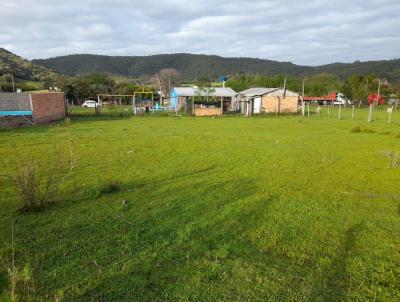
[267,100]
[17,109]
[205,101]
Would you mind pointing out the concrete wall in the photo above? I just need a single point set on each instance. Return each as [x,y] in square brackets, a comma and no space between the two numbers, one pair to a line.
[48,107]
[207,111]
[288,104]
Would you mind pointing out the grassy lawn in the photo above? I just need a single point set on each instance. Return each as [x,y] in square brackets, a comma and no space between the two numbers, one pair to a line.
[227,209]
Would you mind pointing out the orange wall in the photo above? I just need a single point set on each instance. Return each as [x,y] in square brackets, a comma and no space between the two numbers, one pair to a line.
[207,111]
[287,105]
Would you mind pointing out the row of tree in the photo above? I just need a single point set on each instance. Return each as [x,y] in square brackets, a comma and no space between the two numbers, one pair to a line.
[83,87]
[356,87]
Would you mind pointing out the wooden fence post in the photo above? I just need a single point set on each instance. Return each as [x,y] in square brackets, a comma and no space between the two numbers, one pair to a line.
[370,113]
[352,113]
[390,114]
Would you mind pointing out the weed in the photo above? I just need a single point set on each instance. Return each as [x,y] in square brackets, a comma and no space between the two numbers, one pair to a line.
[359,129]
[394,158]
[37,188]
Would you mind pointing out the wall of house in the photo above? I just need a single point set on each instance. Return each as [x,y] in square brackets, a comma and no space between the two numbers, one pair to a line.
[287,104]
[207,111]
[15,102]
[48,107]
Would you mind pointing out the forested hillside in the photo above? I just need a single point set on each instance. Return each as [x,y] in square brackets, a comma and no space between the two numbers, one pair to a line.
[194,66]
[21,68]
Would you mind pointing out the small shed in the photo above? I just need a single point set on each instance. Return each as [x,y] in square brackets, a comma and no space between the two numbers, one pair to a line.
[187,99]
[267,100]
[17,109]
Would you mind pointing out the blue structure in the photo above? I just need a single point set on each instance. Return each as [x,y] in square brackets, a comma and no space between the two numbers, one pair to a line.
[15,113]
[174,98]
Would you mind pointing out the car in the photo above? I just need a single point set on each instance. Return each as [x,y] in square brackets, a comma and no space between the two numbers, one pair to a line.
[90,104]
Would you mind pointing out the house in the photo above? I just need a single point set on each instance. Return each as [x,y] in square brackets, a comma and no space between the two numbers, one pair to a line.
[17,109]
[203,101]
[267,100]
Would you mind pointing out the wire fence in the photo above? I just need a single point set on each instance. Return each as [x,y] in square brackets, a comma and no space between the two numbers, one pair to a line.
[369,113]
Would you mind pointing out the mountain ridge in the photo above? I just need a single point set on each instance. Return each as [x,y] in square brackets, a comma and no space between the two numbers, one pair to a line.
[192,66]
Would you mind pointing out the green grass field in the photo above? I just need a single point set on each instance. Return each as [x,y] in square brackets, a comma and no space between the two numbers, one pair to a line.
[228,209]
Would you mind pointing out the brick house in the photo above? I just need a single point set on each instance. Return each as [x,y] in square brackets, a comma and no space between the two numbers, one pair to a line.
[17,109]
[267,100]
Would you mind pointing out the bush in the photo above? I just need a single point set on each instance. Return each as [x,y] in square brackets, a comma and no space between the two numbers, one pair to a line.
[356,129]
[27,180]
[35,187]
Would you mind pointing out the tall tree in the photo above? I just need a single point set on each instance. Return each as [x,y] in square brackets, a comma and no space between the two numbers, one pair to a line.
[165,80]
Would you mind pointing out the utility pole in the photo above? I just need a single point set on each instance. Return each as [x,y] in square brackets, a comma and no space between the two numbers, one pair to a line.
[302,100]
[13,84]
[284,88]
[379,91]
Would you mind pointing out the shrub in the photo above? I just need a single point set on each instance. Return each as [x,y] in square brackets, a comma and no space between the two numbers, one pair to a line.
[356,129]
[27,181]
[35,187]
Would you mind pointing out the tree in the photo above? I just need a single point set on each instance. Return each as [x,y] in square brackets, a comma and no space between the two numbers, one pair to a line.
[204,89]
[322,84]
[354,88]
[165,80]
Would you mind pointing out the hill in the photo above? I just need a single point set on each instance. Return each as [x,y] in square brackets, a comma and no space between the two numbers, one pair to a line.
[189,65]
[192,66]
[21,68]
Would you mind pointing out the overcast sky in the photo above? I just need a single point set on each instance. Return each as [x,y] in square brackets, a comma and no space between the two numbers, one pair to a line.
[308,32]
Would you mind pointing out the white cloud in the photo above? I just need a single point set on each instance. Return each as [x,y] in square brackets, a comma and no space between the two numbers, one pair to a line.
[304,32]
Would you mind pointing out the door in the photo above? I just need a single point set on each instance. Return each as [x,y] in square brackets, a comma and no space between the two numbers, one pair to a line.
[257,105]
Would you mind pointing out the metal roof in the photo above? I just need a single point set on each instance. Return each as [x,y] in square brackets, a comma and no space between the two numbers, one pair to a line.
[194,91]
[259,91]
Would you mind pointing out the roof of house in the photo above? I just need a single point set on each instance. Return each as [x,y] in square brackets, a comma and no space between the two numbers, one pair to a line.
[194,91]
[260,91]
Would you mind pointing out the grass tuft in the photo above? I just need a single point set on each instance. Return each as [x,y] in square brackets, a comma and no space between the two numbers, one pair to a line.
[110,187]
[356,129]
[394,158]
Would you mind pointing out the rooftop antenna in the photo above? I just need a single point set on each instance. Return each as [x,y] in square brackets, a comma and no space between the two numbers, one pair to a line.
[223,79]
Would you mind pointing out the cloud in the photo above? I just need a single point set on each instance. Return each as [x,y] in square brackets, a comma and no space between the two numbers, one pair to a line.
[304,32]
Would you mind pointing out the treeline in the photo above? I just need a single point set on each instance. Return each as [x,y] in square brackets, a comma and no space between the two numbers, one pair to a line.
[80,88]
[356,87]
